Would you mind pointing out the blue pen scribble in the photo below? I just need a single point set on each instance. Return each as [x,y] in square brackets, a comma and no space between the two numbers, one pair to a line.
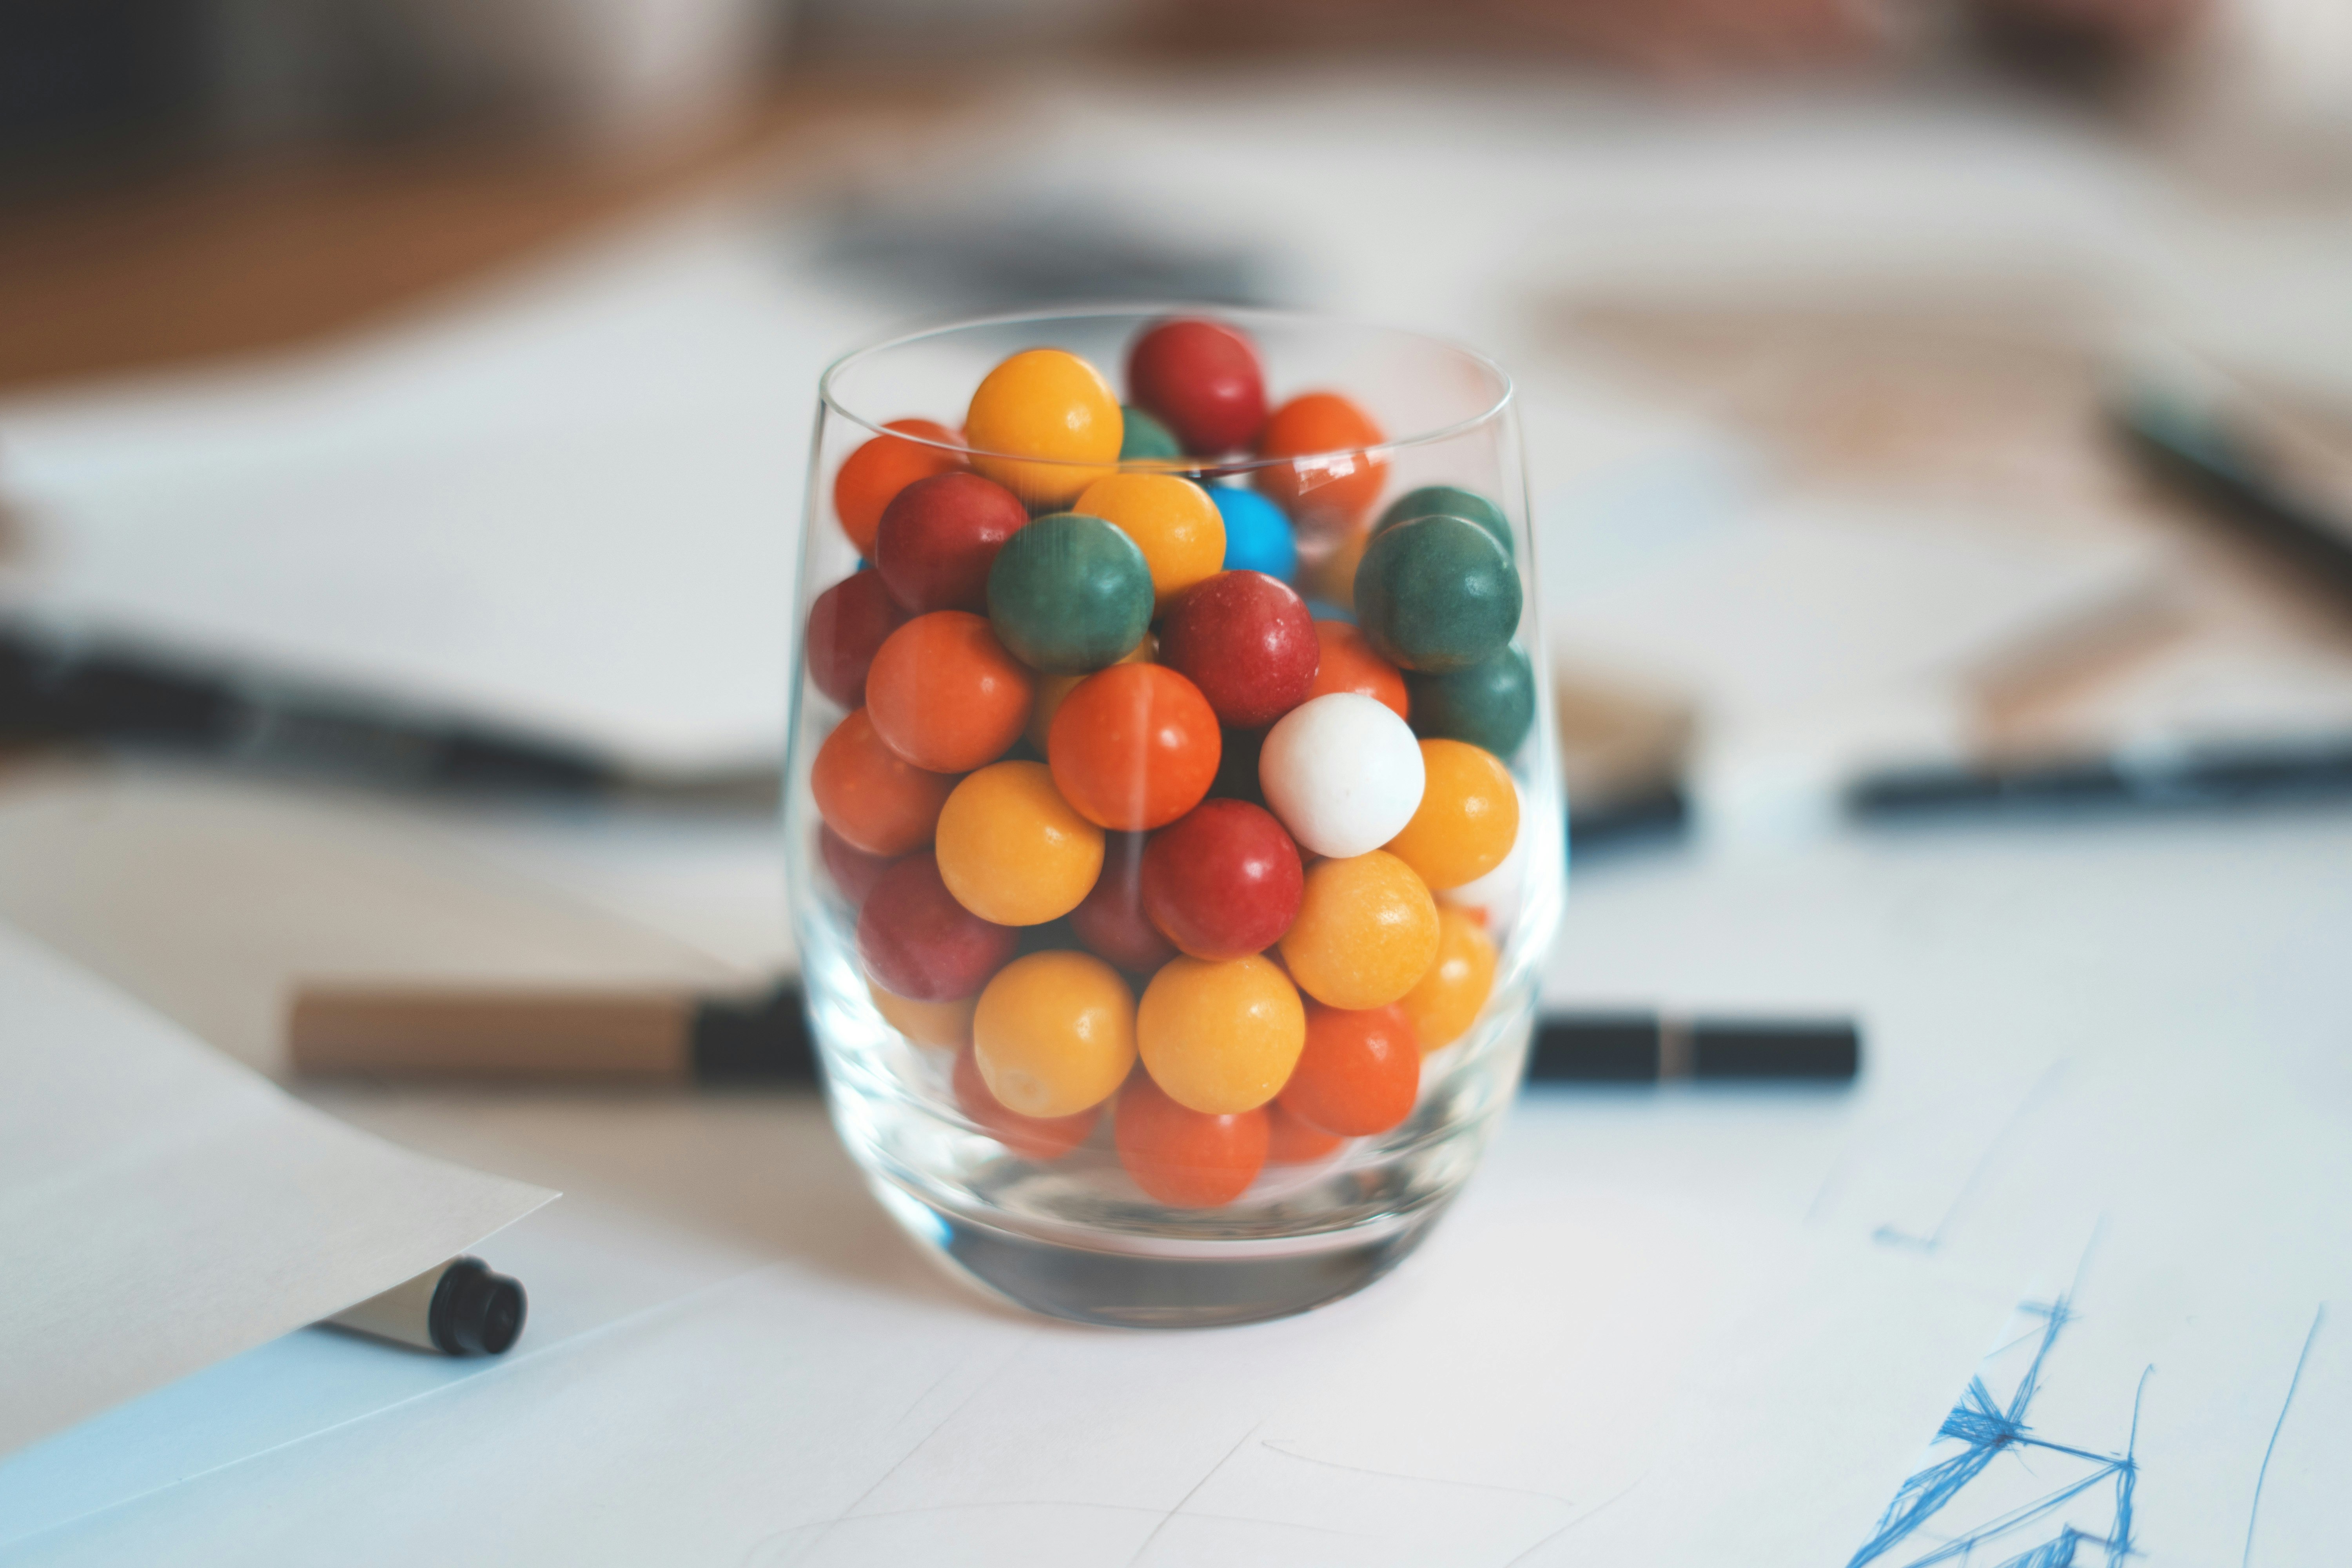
[2254,1509]
[1990,1430]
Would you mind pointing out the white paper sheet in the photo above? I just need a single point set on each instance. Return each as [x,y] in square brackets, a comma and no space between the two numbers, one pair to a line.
[161,1208]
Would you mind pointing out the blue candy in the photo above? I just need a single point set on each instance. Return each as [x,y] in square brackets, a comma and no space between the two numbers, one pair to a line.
[1258,536]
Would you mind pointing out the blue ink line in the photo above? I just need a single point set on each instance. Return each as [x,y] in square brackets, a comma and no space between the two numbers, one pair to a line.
[1887,1236]
[2254,1510]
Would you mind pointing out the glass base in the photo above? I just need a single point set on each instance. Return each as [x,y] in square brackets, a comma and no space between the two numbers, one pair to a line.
[1189,1288]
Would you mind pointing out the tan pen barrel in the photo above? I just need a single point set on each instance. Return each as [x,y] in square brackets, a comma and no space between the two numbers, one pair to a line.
[384,1031]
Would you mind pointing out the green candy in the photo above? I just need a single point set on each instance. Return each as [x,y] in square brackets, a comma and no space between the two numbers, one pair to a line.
[1144,436]
[1436,595]
[1450,500]
[1491,705]
[1069,592]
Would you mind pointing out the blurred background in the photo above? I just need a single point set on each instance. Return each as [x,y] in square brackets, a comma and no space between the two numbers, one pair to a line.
[402,401]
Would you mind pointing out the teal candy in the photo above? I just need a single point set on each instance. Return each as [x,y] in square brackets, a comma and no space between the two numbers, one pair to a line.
[1436,595]
[1257,534]
[1451,501]
[1144,436]
[1491,704]
[1069,592]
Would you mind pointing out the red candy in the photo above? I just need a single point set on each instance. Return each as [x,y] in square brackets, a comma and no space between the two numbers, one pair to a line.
[845,628]
[1111,923]
[1358,1073]
[1223,880]
[1246,640]
[1201,380]
[938,538]
[918,943]
[852,870]
[1183,1157]
[1032,1137]
[1134,746]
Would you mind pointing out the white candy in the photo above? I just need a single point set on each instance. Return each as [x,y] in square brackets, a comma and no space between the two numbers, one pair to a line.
[1343,772]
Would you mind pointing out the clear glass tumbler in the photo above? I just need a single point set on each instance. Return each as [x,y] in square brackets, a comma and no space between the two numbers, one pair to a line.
[1045,1211]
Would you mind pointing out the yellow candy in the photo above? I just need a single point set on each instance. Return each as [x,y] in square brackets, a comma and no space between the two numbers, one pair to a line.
[1468,817]
[1012,850]
[1050,405]
[1365,930]
[1447,1000]
[925,1022]
[1220,1037]
[1178,527]
[1054,1033]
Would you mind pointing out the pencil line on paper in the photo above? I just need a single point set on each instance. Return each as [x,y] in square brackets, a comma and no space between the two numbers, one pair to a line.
[1189,1495]
[2253,1510]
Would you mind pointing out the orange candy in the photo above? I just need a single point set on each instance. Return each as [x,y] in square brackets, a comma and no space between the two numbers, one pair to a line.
[1133,747]
[1335,482]
[1351,665]
[1468,820]
[873,798]
[1447,999]
[1050,405]
[945,695]
[1366,932]
[1360,1073]
[1012,850]
[1186,1158]
[1052,688]
[1032,1137]
[1290,1142]
[925,1022]
[871,478]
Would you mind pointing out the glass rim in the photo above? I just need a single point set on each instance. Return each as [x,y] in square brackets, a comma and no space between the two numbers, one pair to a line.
[1150,309]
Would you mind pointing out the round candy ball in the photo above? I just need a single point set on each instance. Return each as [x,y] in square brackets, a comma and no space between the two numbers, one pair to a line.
[1290,1142]
[1053,687]
[1449,501]
[1491,705]
[1247,642]
[1134,747]
[1202,378]
[918,943]
[1468,820]
[871,476]
[1172,519]
[845,628]
[939,537]
[1222,880]
[1109,921]
[1182,1157]
[852,870]
[1012,850]
[945,695]
[1346,662]
[1366,932]
[1446,1000]
[1070,593]
[1054,1034]
[1359,1072]
[1258,536]
[1436,595]
[1143,439]
[1332,478]
[946,1024]
[1219,1037]
[1343,772]
[1031,1137]
[1049,406]
[873,797]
